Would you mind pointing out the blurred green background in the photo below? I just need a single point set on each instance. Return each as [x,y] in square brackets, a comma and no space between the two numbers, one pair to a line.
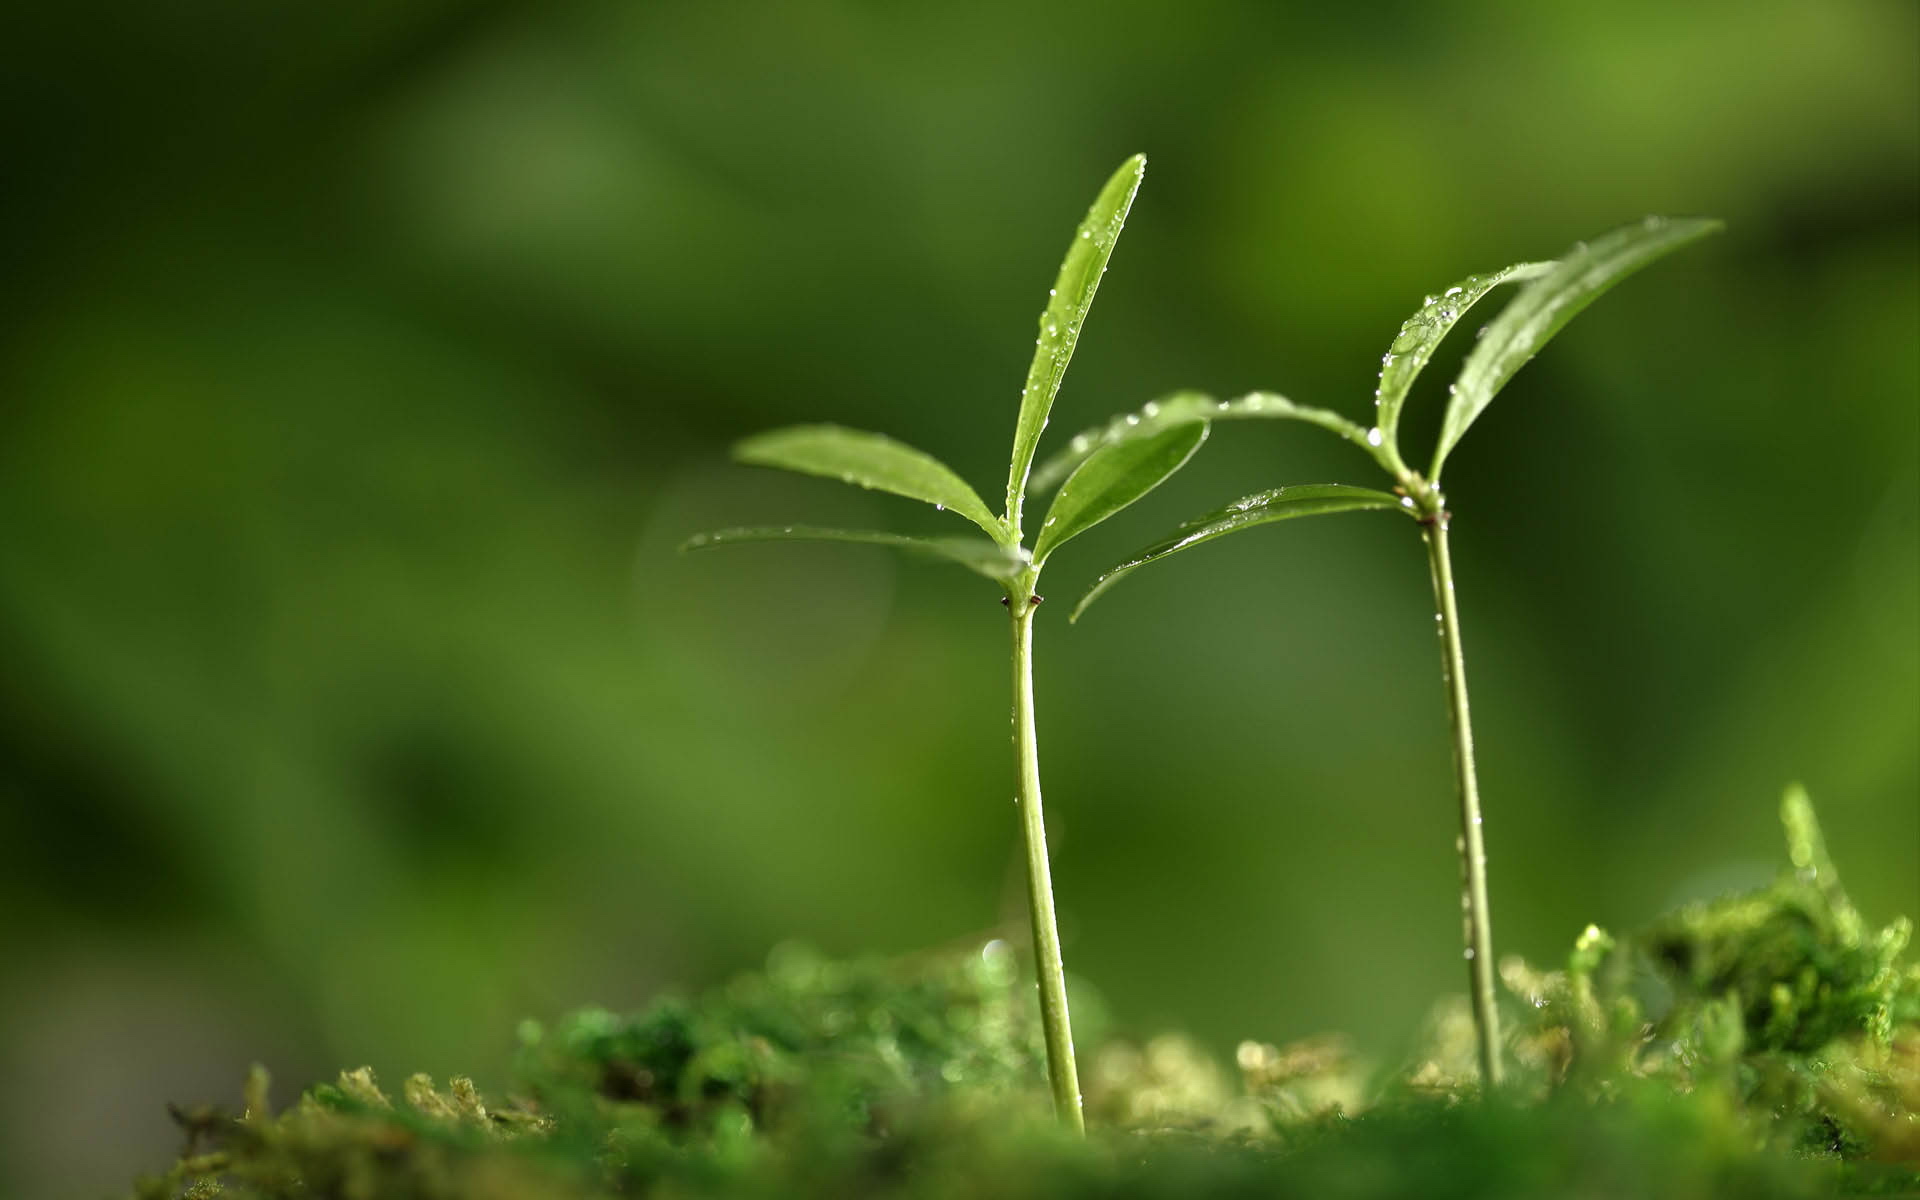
[363,365]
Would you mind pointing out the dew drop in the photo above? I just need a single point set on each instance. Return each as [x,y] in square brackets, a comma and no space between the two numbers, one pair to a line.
[939,508]
[1455,291]
[1374,437]
[1469,952]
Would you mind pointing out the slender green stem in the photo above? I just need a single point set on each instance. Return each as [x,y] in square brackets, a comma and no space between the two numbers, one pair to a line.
[1046,934]
[1473,854]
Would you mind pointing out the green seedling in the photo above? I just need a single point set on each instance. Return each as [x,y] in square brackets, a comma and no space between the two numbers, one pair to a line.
[1101,483]
[1553,294]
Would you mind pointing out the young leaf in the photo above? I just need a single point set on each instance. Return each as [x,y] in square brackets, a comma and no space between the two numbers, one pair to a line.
[1113,478]
[1262,508]
[1421,333]
[1070,298]
[1544,306]
[1181,408]
[995,561]
[871,461]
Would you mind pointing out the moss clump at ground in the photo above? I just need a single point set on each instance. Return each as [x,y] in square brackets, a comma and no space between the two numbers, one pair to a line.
[1761,1045]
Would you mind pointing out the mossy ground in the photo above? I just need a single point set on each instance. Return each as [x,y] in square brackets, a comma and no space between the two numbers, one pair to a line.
[1765,1045]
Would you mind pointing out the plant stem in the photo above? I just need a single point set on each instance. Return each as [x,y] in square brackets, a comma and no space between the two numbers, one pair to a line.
[1046,934]
[1473,854]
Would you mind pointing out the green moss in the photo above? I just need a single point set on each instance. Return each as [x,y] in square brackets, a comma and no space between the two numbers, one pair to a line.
[1785,1001]
[1760,1045]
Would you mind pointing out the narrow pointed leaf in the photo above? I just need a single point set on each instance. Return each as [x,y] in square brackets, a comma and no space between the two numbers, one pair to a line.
[870,460]
[991,559]
[1181,408]
[1069,300]
[1421,333]
[1113,478]
[1544,307]
[1262,508]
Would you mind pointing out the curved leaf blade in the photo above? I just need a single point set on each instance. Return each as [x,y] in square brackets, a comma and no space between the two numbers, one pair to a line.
[1156,416]
[1261,508]
[1113,478]
[1545,306]
[995,561]
[1181,408]
[1421,334]
[869,460]
[1070,298]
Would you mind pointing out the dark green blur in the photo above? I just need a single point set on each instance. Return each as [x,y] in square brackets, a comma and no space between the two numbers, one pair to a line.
[362,365]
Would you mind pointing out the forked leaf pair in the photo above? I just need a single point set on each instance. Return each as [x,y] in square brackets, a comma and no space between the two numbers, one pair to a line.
[1100,483]
[1554,295]
[1551,295]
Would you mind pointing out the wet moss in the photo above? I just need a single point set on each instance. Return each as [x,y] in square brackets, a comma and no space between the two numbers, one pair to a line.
[1760,1045]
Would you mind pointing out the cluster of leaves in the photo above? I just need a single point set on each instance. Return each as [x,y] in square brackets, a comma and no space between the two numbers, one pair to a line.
[1551,295]
[1760,1045]
[1101,481]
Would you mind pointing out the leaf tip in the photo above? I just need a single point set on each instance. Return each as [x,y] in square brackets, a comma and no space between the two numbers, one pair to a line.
[1127,178]
[749,449]
[1098,589]
[1702,225]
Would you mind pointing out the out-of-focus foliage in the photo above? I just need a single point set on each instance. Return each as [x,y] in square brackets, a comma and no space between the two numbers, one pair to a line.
[362,365]
[1641,1075]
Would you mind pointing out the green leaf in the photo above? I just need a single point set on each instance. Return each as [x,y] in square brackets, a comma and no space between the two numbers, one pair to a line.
[1113,478]
[1421,333]
[1262,508]
[1069,299]
[995,561]
[871,461]
[1181,408]
[1544,307]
